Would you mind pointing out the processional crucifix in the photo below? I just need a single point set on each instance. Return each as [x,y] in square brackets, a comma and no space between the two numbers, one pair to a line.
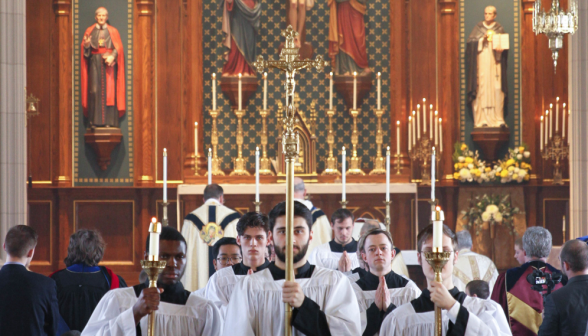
[289,63]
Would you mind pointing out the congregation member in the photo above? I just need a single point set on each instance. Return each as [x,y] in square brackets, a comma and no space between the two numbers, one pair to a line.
[470,265]
[341,252]
[323,300]
[253,231]
[381,290]
[202,228]
[520,254]
[461,315]
[28,301]
[478,288]
[124,311]
[566,310]
[82,284]
[321,228]
[521,304]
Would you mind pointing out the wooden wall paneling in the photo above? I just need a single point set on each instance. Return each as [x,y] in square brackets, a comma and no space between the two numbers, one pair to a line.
[531,115]
[143,46]
[65,220]
[168,126]
[554,209]
[423,62]
[531,205]
[41,220]
[39,62]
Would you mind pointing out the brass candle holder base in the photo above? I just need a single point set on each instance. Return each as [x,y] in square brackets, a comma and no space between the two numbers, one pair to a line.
[239,170]
[165,220]
[437,260]
[379,160]
[152,268]
[331,168]
[379,166]
[257,206]
[239,161]
[343,204]
[387,220]
[354,160]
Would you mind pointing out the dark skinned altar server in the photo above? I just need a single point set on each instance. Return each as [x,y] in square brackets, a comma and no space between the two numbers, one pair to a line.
[177,311]
[253,232]
[202,228]
[341,252]
[461,315]
[322,299]
[381,290]
[321,228]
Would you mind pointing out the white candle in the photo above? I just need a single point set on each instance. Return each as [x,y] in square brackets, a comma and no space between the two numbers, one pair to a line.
[433,175]
[413,129]
[265,91]
[195,139]
[209,166]
[343,171]
[440,135]
[541,136]
[418,119]
[431,122]
[409,133]
[354,90]
[388,174]
[256,174]
[164,175]
[379,91]
[330,91]
[563,122]
[569,122]
[557,115]
[438,230]
[424,116]
[154,231]
[546,127]
[436,129]
[398,137]
[550,120]
[240,92]
[214,92]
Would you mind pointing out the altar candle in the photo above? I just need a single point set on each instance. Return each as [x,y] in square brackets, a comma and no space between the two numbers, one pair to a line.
[440,135]
[546,127]
[413,129]
[265,91]
[431,122]
[154,231]
[195,139]
[209,166]
[256,174]
[354,90]
[433,175]
[541,136]
[409,133]
[556,115]
[164,175]
[550,120]
[388,174]
[343,171]
[436,129]
[214,92]
[424,116]
[563,121]
[331,91]
[398,137]
[418,113]
[569,122]
[438,217]
[379,91]
[240,91]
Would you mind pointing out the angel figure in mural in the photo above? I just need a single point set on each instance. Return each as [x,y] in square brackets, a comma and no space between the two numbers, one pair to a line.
[102,73]
[486,55]
[347,39]
[297,16]
[241,23]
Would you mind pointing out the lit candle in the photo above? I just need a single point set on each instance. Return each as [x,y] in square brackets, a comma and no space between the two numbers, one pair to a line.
[388,174]
[546,127]
[440,135]
[563,122]
[379,91]
[256,174]
[550,120]
[331,91]
[154,231]
[438,217]
[433,175]
[209,166]
[354,90]
[409,133]
[424,116]
[418,119]
[413,129]
[398,137]
[431,122]
[214,92]
[436,129]
[164,175]
[556,115]
[541,136]
[240,91]
[265,91]
[195,139]
[343,171]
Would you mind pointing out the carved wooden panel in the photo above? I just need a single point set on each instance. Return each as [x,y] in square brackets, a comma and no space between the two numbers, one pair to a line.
[41,219]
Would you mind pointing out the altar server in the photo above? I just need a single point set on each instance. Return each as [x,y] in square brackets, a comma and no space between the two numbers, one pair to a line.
[321,228]
[253,231]
[225,253]
[341,252]
[381,290]
[124,311]
[470,265]
[202,228]
[323,299]
[461,315]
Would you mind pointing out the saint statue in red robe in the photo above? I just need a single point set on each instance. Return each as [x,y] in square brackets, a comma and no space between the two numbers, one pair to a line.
[347,41]
[241,23]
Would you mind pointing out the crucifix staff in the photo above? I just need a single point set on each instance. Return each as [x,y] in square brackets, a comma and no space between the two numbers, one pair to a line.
[289,63]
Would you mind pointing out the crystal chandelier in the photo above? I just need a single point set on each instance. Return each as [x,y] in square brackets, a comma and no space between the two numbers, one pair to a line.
[555,24]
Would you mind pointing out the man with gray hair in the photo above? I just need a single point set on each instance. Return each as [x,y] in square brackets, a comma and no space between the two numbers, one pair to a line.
[522,305]
[321,227]
[470,265]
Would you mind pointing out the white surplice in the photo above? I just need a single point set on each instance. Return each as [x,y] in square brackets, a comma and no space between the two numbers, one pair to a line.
[473,266]
[114,317]
[323,256]
[256,306]
[321,226]
[220,287]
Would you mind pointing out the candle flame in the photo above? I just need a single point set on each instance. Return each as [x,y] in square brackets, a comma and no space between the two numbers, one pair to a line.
[210,149]
[164,150]
[413,112]
[379,74]
[257,149]
[331,74]
[418,106]
[564,104]
[409,118]
[435,112]
[196,124]
[546,112]
[438,208]
[440,119]
[397,122]
[354,73]
[388,148]
[240,75]
[424,100]
[153,220]
[431,106]
[557,98]
[541,118]
[213,76]
[343,147]
[550,105]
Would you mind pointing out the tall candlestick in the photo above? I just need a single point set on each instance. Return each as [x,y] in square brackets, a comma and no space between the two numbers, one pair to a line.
[413,129]
[209,166]
[541,136]
[438,217]
[195,139]
[563,122]
[440,135]
[418,119]
[265,91]
[436,129]
[379,91]
[388,173]
[550,121]
[424,116]
[214,92]
[240,91]
[431,122]
[433,175]
[398,137]
[354,90]
[154,231]
[331,91]
[256,174]
[409,133]
[343,171]
[164,175]
[546,127]
[569,122]
[556,115]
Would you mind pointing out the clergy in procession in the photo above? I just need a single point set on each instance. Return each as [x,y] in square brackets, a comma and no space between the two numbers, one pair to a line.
[470,265]
[381,290]
[323,301]
[202,228]
[321,228]
[124,311]
[461,315]
[253,232]
[341,252]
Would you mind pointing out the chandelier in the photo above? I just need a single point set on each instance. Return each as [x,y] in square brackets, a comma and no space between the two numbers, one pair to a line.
[555,24]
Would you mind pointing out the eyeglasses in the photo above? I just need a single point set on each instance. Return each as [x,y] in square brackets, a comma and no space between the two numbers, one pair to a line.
[224,260]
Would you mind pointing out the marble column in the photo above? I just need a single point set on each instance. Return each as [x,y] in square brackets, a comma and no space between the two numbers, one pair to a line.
[578,84]
[13,192]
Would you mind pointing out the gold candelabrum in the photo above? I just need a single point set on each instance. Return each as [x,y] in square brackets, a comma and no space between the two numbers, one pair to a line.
[216,171]
[289,63]
[265,167]
[153,267]
[331,168]
[421,155]
[556,150]
[437,260]
[239,162]
[354,160]
[379,160]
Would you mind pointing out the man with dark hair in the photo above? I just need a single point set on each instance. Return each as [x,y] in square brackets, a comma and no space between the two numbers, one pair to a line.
[321,229]
[471,265]
[226,252]
[478,288]
[462,315]
[322,300]
[253,234]
[381,290]
[520,254]
[202,228]
[124,311]
[341,252]
[521,304]
[28,301]
[566,310]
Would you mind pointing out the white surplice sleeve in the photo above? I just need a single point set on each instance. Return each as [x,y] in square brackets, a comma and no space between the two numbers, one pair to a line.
[341,308]
[484,318]
[240,314]
[109,318]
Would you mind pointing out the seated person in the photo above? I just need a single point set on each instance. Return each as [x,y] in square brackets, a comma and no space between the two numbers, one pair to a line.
[82,284]
[322,299]
[478,288]
[461,315]
[124,311]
